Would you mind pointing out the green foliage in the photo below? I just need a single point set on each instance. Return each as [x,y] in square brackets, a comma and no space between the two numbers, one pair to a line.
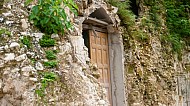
[178,17]
[33,61]
[50,16]
[126,16]
[176,43]
[47,41]
[178,23]
[47,77]
[26,40]
[51,64]
[50,54]
[4,31]
[155,14]
[156,10]
[141,36]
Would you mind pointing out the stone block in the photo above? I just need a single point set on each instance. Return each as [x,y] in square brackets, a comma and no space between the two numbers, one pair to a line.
[14,44]
[24,24]
[15,70]
[9,56]
[39,66]
[21,57]
[27,69]
[33,79]
[8,14]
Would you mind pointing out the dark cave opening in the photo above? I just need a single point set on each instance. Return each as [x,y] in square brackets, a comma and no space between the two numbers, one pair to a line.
[134,7]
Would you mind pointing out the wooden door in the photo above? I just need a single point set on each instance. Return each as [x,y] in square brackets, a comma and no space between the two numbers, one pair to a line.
[99,55]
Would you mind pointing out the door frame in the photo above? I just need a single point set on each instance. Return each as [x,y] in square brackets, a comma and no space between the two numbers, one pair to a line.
[116,60]
[116,56]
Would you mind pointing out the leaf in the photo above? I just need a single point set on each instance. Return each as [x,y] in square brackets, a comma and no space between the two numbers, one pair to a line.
[50,17]
[63,14]
[35,10]
[27,2]
[70,2]
[46,20]
[39,92]
[68,24]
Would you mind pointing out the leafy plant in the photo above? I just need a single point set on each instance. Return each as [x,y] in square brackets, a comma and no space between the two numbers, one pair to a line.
[126,16]
[50,55]
[47,77]
[51,64]
[50,16]
[26,40]
[177,21]
[178,18]
[47,41]
[33,61]
[4,31]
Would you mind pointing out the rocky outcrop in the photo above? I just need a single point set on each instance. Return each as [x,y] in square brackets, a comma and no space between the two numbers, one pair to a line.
[22,66]
[155,75]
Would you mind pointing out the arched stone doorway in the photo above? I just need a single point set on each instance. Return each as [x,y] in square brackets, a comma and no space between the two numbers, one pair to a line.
[105,46]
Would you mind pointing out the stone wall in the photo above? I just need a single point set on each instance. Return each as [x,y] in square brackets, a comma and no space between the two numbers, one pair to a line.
[20,66]
[182,96]
[155,76]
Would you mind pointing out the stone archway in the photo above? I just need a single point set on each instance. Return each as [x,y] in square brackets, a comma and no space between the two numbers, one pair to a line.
[99,22]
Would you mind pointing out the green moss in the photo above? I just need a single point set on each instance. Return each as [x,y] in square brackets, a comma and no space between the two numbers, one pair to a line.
[131,68]
[46,78]
[140,35]
[26,40]
[51,64]
[47,41]
[126,16]
[50,54]
[33,61]
[178,24]
[5,31]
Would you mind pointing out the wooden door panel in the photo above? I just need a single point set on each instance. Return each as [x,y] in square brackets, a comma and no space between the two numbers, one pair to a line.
[99,55]
[98,40]
[93,56]
[101,75]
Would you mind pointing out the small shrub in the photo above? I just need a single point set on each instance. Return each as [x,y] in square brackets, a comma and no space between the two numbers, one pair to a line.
[126,16]
[26,41]
[47,41]
[47,77]
[178,24]
[50,16]
[50,55]
[51,64]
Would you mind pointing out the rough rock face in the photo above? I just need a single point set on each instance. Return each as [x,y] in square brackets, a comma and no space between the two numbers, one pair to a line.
[21,65]
[155,76]
[150,75]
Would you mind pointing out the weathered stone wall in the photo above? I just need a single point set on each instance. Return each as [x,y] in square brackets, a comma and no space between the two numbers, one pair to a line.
[20,66]
[155,76]
[182,96]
